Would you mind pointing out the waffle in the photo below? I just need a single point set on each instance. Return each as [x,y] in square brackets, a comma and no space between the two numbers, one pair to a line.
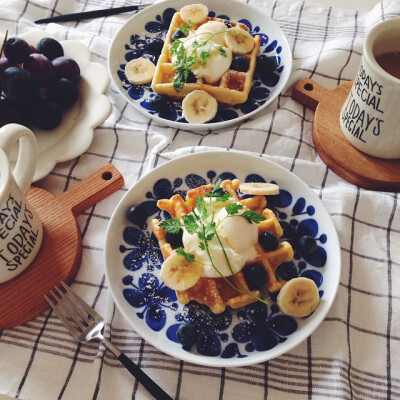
[217,293]
[234,86]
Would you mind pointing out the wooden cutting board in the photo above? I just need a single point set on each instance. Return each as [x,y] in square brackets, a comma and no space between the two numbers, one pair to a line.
[59,258]
[334,149]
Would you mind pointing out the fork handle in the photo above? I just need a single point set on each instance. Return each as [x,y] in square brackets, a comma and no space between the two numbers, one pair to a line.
[144,379]
[137,372]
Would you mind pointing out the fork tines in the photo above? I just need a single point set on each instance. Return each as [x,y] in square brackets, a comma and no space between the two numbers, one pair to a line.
[73,311]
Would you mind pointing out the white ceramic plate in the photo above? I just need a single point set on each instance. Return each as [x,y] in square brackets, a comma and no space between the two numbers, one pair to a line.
[131,42]
[75,133]
[250,335]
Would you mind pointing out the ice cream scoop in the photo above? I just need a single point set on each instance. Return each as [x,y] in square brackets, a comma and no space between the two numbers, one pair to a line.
[236,240]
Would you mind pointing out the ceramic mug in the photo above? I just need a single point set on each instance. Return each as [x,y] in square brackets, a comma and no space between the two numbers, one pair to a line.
[21,229]
[370,117]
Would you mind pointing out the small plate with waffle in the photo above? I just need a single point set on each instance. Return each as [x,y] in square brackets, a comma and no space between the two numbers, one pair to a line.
[240,80]
[235,288]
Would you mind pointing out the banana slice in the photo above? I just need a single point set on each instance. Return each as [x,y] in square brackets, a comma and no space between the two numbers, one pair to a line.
[139,71]
[196,13]
[239,40]
[199,107]
[178,273]
[298,297]
[259,188]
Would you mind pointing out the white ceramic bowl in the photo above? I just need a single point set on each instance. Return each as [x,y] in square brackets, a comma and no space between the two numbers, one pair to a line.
[131,40]
[234,338]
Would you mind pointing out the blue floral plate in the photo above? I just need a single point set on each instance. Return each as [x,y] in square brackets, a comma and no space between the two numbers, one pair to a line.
[249,335]
[131,42]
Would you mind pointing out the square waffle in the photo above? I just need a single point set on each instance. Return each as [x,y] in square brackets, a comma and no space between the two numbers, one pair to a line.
[216,293]
[233,87]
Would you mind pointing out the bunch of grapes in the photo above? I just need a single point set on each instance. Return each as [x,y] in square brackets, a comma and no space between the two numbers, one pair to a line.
[36,84]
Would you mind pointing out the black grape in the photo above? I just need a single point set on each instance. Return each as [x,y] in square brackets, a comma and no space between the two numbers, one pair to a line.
[51,48]
[45,114]
[41,67]
[19,85]
[68,68]
[63,92]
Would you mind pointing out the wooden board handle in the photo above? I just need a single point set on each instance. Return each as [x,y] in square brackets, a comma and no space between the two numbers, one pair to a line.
[309,93]
[92,189]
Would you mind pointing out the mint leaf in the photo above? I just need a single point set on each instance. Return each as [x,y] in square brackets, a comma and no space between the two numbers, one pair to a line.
[182,252]
[172,225]
[233,209]
[253,216]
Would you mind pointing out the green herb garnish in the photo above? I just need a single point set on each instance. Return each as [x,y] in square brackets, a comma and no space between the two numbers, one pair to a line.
[252,216]
[187,58]
[217,192]
[182,252]
[201,223]
[172,225]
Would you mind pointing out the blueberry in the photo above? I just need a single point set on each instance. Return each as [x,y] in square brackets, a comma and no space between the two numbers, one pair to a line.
[175,239]
[268,241]
[266,64]
[16,50]
[228,23]
[255,275]
[191,78]
[155,46]
[51,48]
[186,335]
[160,103]
[286,271]
[178,34]
[240,63]
[137,215]
[307,245]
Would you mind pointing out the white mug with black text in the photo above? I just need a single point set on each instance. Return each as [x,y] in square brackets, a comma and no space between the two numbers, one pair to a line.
[370,117]
[21,229]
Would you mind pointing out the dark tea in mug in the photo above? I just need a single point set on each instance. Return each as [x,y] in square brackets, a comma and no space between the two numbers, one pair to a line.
[390,62]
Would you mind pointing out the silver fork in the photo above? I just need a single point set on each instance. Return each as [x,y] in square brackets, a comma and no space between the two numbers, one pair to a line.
[85,324]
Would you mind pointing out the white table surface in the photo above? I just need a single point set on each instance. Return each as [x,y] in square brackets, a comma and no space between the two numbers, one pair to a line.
[360,5]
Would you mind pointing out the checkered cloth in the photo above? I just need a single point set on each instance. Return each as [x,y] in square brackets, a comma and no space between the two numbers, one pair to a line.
[354,354]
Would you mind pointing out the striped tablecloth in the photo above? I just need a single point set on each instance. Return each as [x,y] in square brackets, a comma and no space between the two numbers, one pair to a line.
[354,354]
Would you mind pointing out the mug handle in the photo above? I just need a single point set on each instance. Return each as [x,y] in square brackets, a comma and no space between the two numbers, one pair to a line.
[27,155]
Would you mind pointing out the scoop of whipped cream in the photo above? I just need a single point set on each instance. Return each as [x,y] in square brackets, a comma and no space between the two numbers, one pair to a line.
[237,235]
[217,64]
